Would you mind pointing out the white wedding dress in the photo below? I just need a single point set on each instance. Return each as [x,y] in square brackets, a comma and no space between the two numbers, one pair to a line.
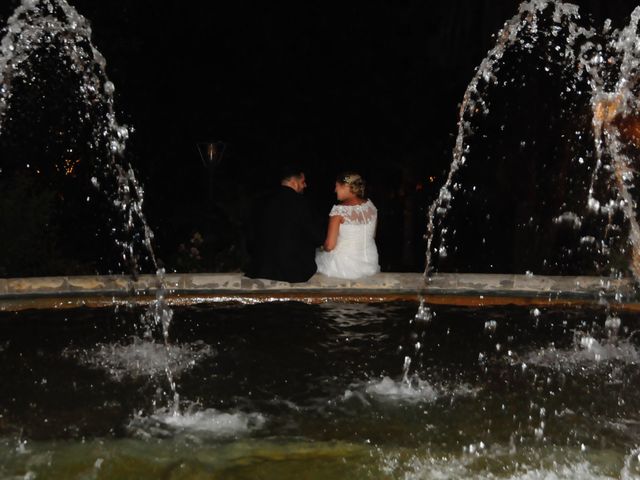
[355,255]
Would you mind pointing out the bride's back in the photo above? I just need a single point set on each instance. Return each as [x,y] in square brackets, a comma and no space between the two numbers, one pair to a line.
[359,226]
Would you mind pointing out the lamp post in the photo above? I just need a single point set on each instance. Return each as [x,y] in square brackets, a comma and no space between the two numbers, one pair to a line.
[211,156]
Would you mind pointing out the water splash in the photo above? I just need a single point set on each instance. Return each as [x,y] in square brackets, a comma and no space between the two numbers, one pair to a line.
[412,391]
[588,353]
[195,421]
[141,358]
[496,462]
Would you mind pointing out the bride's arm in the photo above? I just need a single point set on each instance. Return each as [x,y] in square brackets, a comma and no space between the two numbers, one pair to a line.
[332,232]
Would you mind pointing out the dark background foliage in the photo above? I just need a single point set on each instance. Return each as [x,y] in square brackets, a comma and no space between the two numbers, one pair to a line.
[373,86]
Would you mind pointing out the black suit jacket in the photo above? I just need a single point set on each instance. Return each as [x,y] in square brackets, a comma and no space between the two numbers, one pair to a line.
[286,239]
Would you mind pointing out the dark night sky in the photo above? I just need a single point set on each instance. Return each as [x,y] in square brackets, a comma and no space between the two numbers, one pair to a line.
[369,85]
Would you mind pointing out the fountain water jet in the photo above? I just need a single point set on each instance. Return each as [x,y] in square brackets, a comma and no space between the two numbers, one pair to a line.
[473,103]
[53,27]
[609,63]
[612,108]
[582,58]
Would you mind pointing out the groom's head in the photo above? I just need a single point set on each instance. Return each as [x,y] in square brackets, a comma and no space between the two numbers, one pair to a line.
[293,177]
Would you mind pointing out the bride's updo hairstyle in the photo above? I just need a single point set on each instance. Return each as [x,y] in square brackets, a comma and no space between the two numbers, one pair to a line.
[356,183]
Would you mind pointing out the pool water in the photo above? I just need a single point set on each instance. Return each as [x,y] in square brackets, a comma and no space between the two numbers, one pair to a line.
[290,390]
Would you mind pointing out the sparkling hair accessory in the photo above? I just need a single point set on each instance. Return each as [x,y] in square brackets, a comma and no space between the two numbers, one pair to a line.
[355,182]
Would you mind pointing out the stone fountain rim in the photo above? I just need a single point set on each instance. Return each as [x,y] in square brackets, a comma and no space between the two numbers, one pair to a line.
[460,289]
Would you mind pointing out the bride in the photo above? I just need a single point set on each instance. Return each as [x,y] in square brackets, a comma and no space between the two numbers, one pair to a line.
[350,248]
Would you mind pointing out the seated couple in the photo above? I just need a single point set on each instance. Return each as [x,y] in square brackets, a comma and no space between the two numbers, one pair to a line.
[288,238]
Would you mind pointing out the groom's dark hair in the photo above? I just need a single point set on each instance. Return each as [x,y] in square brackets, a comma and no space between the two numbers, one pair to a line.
[288,171]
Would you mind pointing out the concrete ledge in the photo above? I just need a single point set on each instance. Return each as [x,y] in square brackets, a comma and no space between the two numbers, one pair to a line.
[181,289]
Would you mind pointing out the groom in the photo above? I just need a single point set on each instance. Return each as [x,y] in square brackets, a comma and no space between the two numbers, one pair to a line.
[286,235]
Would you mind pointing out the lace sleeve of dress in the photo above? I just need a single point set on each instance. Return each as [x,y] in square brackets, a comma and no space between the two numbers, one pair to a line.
[338,210]
[356,214]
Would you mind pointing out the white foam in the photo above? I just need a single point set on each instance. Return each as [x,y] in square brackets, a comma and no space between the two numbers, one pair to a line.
[413,390]
[208,422]
[499,462]
[142,358]
[581,470]
[216,422]
[587,353]
[418,390]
